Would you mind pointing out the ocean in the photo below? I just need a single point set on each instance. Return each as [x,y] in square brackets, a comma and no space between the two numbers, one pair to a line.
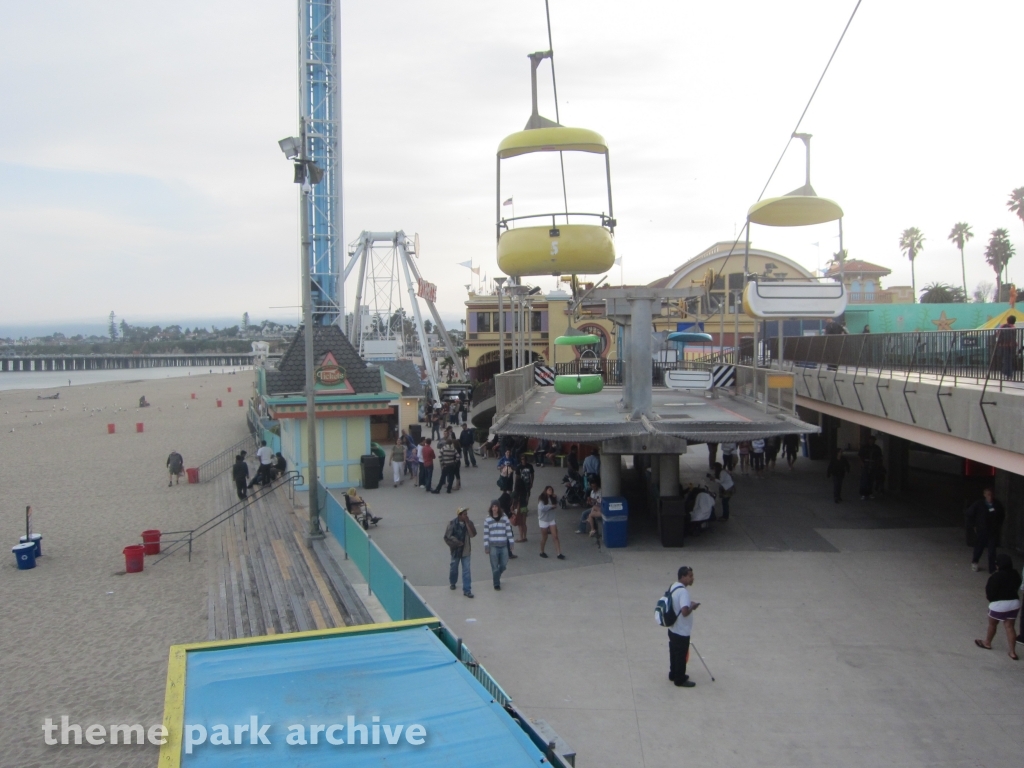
[45,381]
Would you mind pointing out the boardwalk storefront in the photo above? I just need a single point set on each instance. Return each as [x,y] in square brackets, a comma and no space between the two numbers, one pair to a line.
[348,394]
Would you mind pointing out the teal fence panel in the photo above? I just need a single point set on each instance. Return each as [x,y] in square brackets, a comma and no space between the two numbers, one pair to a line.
[333,513]
[358,546]
[386,583]
[415,608]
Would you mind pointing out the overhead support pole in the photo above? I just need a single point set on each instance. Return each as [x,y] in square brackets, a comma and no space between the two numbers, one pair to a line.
[424,348]
[442,331]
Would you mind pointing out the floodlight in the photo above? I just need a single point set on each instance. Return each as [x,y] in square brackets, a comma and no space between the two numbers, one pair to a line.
[290,146]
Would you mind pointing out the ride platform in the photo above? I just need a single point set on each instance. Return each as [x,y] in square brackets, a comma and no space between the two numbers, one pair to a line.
[676,416]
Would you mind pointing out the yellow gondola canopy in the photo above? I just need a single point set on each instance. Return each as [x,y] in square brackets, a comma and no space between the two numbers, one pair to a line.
[552,139]
[794,211]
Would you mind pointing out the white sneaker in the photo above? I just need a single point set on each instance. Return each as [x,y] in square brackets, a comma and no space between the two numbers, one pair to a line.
[974,567]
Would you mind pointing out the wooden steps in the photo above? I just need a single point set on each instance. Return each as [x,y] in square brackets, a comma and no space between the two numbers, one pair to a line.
[265,580]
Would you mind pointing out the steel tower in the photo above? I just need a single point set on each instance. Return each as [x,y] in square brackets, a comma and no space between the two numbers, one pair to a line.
[320,112]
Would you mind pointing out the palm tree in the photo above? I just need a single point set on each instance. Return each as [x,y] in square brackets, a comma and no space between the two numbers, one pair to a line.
[998,254]
[1016,202]
[959,236]
[943,293]
[912,243]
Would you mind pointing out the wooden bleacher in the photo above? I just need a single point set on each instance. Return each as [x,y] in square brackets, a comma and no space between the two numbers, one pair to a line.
[269,582]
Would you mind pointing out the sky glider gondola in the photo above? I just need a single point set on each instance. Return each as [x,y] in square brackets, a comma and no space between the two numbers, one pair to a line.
[555,243]
[580,383]
[776,300]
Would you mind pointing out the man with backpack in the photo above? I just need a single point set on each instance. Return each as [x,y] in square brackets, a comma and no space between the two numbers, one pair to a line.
[675,612]
[457,536]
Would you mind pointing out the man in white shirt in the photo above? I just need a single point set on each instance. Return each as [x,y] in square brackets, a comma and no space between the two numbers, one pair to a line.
[266,457]
[679,632]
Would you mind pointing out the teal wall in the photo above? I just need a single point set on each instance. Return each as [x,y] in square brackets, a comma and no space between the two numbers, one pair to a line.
[899,318]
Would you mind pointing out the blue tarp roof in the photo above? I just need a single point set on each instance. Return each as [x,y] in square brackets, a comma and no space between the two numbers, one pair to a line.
[403,677]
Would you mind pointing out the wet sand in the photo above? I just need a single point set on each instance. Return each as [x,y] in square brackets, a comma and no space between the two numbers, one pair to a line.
[79,636]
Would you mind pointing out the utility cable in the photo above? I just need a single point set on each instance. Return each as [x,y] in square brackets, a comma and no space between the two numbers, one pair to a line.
[554,87]
[795,129]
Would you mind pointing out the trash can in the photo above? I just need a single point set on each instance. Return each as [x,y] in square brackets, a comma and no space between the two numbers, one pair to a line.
[151,542]
[615,511]
[370,466]
[133,558]
[37,539]
[672,521]
[193,474]
[25,555]
[416,431]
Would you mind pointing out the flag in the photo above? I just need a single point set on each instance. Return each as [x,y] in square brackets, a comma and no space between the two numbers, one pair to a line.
[508,202]
[475,271]
[618,262]
[467,264]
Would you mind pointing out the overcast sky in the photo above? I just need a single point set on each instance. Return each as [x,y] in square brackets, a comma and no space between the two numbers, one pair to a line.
[139,169]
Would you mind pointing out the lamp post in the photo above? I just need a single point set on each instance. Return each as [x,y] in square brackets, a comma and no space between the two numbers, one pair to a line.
[501,327]
[306,171]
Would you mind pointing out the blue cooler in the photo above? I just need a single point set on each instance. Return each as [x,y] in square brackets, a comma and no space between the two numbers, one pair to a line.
[615,511]
[37,539]
[25,554]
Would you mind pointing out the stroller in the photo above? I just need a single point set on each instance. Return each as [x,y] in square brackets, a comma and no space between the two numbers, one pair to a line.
[574,493]
[360,510]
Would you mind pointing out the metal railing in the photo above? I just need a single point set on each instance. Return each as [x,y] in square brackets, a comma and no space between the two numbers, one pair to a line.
[185,538]
[222,462]
[512,388]
[612,371]
[977,355]
[484,390]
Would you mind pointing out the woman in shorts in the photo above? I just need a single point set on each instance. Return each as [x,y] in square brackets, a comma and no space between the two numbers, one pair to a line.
[1004,604]
[546,506]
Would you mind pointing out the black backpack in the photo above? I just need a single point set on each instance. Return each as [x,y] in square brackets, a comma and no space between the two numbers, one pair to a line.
[664,611]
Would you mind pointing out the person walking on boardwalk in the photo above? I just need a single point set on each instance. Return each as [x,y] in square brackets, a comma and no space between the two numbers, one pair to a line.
[838,468]
[466,444]
[726,487]
[498,541]
[427,465]
[175,466]
[1003,604]
[240,474]
[790,448]
[397,461]
[449,458]
[458,537]
[985,517]
[521,496]
[547,505]
[680,631]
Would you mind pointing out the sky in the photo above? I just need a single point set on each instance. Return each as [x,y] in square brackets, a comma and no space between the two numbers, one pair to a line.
[140,173]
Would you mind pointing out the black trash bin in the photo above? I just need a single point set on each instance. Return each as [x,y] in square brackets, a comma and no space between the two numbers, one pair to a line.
[370,466]
[672,521]
[416,431]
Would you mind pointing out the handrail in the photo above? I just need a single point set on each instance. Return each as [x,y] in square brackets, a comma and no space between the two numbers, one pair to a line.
[220,463]
[606,220]
[293,477]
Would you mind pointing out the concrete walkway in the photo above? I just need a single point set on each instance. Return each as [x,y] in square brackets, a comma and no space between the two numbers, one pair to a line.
[839,635]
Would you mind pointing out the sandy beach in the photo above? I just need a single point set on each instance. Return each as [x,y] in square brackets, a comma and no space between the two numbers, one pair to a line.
[80,637]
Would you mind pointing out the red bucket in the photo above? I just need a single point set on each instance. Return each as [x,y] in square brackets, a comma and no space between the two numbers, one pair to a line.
[193,474]
[151,541]
[133,558]
[193,395]
[110,429]
[138,426]
[240,403]
[229,389]
[219,403]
